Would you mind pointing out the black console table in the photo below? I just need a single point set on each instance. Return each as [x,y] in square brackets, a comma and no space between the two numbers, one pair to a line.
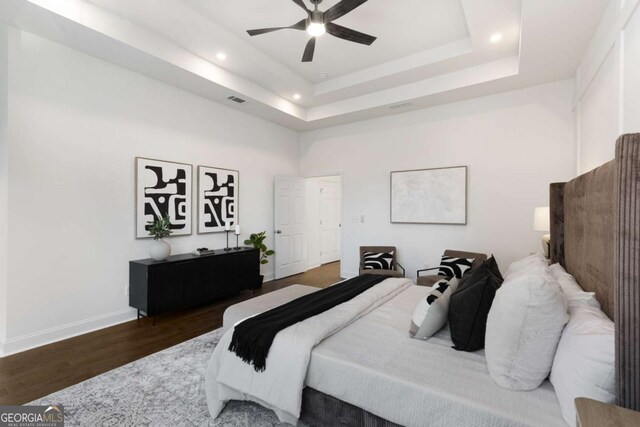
[184,281]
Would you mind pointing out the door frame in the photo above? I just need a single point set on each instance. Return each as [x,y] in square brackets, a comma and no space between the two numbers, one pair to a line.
[341,175]
[276,226]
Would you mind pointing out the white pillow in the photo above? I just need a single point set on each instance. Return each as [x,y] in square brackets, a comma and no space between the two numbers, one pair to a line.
[430,315]
[569,287]
[572,290]
[534,260]
[584,365]
[523,329]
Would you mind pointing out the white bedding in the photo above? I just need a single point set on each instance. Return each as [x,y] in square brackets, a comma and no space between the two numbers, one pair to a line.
[373,364]
[280,386]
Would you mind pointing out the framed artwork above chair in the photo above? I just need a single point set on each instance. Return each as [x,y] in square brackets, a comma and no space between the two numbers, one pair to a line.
[429,196]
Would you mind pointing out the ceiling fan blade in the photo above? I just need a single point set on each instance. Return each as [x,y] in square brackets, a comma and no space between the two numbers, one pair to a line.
[349,34]
[341,9]
[264,30]
[302,25]
[308,51]
[302,5]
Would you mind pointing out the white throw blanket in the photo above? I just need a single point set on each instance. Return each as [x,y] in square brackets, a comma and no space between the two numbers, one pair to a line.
[280,386]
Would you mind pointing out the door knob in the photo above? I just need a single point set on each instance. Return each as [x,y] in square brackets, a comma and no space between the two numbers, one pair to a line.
[278,231]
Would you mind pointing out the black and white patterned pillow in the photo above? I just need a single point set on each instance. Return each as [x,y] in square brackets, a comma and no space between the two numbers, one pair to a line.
[378,261]
[454,267]
[437,290]
[431,313]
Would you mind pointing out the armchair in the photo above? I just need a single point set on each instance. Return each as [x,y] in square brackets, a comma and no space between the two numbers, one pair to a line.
[394,263]
[430,280]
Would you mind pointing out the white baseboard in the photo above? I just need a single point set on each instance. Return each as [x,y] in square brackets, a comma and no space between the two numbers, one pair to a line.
[314,265]
[349,274]
[48,336]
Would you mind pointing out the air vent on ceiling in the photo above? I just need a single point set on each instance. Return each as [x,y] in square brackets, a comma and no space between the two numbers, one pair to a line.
[401,105]
[236,99]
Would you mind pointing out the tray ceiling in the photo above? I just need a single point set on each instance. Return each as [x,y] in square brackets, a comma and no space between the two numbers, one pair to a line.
[403,28]
[428,51]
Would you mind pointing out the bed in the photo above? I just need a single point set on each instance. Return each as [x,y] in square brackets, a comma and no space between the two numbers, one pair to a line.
[374,365]
[371,373]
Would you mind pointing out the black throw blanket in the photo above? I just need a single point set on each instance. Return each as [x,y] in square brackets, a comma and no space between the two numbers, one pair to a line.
[253,337]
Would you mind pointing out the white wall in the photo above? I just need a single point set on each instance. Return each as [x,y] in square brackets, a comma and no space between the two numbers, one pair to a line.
[77,124]
[4,182]
[598,118]
[631,78]
[514,144]
[607,94]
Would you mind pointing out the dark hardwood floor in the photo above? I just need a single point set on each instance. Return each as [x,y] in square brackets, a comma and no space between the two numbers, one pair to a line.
[35,373]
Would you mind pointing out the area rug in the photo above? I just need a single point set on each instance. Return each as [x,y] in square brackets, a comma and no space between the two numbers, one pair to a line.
[164,389]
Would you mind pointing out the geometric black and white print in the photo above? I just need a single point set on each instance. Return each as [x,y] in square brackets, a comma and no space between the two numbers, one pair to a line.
[378,261]
[163,188]
[437,291]
[218,191]
[454,267]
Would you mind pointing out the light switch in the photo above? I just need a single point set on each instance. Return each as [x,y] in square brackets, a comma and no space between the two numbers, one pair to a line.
[357,219]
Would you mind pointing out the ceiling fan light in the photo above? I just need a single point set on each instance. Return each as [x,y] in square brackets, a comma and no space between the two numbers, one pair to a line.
[316,29]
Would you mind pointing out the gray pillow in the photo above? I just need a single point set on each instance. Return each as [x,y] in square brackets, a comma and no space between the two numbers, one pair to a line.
[431,313]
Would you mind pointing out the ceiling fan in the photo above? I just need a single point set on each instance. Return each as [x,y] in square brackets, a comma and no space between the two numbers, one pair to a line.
[317,23]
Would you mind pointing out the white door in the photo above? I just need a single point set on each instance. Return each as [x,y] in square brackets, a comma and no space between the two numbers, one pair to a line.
[289,226]
[329,221]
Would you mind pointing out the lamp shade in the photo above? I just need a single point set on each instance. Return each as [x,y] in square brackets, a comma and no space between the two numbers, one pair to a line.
[541,220]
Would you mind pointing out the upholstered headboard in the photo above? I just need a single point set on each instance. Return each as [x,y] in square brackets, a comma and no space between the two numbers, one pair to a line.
[595,235]
[588,227]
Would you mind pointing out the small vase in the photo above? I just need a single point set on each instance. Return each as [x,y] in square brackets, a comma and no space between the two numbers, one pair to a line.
[160,250]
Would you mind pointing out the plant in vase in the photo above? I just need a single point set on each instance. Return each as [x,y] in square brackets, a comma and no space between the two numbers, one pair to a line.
[257,241]
[159,229]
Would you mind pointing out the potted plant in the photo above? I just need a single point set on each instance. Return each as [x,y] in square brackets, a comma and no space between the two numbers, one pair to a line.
[257,241]
[159,229]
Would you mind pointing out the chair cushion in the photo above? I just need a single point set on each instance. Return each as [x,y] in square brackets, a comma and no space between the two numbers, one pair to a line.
[454,266]
[378,261]
[470,305]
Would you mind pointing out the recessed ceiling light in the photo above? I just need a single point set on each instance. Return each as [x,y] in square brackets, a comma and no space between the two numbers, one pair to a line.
[296,96]
[496,37]
[221,56]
